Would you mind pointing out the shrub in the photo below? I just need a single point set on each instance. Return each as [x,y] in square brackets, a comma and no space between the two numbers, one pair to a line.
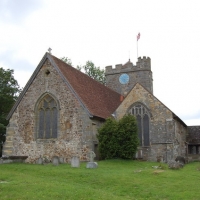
[127,137]
[107,139]
[118,139]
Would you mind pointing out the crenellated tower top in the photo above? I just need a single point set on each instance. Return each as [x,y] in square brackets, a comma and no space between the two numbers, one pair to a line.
[139,73]
[142,63]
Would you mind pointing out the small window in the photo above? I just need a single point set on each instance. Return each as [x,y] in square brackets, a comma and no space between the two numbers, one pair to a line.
[47,113]
[47,72]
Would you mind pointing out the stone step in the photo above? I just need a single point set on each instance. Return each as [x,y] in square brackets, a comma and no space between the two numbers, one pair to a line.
[10,131]
[7,153]
[9,134]
[7,148]
[9,138]
[8,143]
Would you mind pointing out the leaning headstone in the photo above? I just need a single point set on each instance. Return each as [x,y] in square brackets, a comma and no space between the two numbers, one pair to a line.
[75,162]
[39,161]
[55,160]
[92,164]
[61,160]
[180,159]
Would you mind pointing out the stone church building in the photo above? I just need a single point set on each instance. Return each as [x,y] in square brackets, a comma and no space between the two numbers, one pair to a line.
[60,109]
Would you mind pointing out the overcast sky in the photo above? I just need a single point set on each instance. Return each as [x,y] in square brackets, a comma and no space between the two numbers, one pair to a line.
[104,32]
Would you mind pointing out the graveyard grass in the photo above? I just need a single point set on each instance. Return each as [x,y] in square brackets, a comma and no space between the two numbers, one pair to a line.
[113,179]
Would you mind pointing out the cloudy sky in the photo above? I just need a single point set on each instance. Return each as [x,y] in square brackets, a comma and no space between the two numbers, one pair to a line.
[104,32]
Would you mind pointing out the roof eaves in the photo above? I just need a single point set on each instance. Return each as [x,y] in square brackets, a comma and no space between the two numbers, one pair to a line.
[176,117]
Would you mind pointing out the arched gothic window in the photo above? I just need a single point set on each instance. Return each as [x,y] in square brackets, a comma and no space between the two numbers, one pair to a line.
[142,117]
[47,118]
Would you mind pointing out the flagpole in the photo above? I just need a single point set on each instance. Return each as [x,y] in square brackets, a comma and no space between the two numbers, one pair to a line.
[137,37]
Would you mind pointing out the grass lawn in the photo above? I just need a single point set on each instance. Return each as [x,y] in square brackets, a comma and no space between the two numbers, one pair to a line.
[113,179]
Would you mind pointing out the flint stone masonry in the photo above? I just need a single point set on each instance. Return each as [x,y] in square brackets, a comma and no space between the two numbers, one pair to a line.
[75,128]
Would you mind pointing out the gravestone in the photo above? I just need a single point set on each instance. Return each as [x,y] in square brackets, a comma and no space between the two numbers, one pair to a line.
[180,159]
[1,161]
[92,164]
[39,161]
[75,162]
[61,160]
[55,160]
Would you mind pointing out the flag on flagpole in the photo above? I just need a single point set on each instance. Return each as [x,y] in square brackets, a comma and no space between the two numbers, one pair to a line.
[138,36]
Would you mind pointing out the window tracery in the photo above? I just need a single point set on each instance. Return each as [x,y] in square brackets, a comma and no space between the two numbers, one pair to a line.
[47,115]
[142,116]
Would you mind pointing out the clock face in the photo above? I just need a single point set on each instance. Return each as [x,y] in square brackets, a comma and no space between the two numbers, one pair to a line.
[124,78]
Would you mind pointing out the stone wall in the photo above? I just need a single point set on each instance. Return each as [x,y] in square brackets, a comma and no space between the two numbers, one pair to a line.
[193,142]
[75,128]
[167,135]
[180,139]
[193,136]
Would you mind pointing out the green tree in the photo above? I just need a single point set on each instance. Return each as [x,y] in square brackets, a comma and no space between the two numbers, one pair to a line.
[9,91]
[90,69]
[67,60]
[118,139]
[94,72]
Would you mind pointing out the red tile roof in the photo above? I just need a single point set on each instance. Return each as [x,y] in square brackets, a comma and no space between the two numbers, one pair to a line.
[100,100]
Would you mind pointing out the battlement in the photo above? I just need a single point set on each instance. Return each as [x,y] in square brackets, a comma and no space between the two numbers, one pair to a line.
[127,66]
[144,59]
[142,63]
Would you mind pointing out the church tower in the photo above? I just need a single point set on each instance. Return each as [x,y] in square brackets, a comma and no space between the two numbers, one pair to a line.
[122,78]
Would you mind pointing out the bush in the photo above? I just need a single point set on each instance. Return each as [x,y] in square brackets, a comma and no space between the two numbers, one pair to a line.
[107,139]
[118,139]
[127,137]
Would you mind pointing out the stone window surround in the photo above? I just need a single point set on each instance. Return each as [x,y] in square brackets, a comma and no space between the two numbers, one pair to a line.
[38,140]
[194,149]
[129,110]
